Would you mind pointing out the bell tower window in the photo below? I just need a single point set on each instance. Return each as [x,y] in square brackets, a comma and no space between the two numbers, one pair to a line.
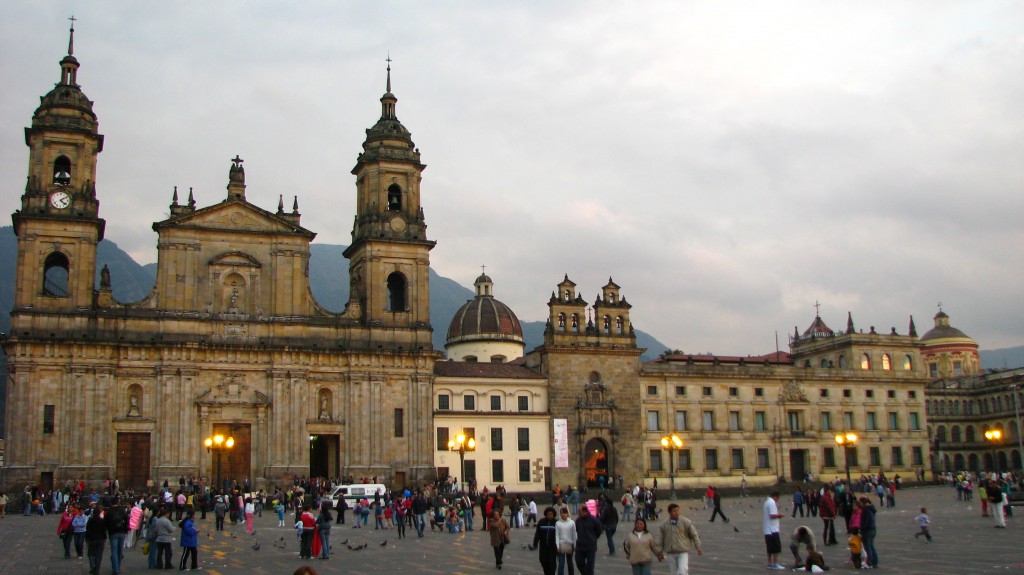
[396,292]
[55,275]
[62,171]
[394,198]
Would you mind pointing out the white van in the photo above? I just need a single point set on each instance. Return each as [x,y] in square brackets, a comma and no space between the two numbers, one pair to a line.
[356,492]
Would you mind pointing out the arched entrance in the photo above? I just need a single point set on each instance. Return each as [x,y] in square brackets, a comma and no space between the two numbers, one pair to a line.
[595,462]
[972,463]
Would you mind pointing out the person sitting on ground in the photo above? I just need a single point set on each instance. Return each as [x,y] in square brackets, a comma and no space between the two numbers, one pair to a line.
[801,534]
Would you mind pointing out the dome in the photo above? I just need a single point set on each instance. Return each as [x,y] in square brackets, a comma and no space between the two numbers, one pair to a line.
[943,330]
[483,325]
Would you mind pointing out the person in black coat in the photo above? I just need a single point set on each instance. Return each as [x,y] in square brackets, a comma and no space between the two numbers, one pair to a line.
[588,530]
[96,539]
[544,541]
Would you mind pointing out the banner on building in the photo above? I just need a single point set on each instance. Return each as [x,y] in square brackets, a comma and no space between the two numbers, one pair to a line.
[561,442]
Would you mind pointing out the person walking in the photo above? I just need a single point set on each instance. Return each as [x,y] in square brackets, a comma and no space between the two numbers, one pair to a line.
[164,538]
[770,527]
[995,498]
[678,537]
[610,520]
[250,511]
[545,541]
[96,539]
[500,536]
[565,541]
[716,500]
[323,525]
[308,527]
[924,522]
[78,528]
[220,509]
[588,531]
[189,541]
[641,548]
[116,520]
[827,512]
[868,531]
[798,501]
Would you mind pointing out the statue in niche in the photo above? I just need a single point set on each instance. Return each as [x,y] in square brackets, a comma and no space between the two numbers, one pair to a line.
[325,414]
[233,306]
[105,277]
[133,405]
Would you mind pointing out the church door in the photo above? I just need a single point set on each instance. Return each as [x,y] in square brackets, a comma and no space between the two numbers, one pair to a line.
[132,460]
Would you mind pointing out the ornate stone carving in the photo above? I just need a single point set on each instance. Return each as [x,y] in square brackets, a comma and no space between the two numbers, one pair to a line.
[792,391]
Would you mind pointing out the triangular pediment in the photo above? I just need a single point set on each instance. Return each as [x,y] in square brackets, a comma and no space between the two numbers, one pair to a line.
[234,215]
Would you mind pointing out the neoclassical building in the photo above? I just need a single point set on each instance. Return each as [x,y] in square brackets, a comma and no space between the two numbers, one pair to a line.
[230,339]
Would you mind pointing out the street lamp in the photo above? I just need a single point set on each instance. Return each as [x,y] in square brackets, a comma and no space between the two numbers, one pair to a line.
[461,444]
[994,436]
[847,441]
[672,443]
[219,444]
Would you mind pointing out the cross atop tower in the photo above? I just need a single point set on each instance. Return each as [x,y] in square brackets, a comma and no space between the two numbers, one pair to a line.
[817,308]
[71,40]
[388,60]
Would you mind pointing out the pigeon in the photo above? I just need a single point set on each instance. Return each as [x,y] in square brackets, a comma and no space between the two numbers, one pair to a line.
[209,535]
[384,543]
[233,536]
[253,533]
[736,529]
[256,546]
[345,542]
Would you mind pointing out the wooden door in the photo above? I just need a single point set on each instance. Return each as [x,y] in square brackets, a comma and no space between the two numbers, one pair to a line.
[133,460]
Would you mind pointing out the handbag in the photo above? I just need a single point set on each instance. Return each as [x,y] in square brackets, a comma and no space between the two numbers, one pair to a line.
[506,537]
[565,548]
[145,548]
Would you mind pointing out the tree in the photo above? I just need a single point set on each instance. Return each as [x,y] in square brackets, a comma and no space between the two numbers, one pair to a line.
[669,352]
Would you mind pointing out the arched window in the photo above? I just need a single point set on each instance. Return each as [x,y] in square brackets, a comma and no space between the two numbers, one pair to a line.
[55,275]
[842,362]
[606,323]
[575,322]
[886,362]
[908,363]
[824,362]
[595,377]
[566,295]
[969,432]
[394,198]
[396,292]
[618,324]
[62,171]
[955,434]
[865,361]
[469,359]
[940,433]
[498,359]
[927,407]
[561,322]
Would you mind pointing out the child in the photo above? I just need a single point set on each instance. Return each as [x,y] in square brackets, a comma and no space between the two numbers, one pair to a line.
[924,522]
[279,508]
[855,549]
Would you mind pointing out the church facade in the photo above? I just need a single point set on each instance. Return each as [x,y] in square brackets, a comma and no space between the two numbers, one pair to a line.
[230,340]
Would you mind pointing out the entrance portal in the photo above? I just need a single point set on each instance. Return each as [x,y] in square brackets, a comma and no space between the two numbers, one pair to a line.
[595,462]
[236,463]
[797,464]
[324,454]
[132,460]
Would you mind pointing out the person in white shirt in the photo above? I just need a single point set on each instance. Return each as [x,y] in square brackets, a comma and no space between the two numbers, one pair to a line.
[565,540]
[770,525]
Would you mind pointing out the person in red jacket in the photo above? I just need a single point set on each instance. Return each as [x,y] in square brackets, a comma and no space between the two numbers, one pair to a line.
[827,512]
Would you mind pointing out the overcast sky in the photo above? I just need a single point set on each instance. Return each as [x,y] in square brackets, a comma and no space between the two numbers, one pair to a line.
[727,163]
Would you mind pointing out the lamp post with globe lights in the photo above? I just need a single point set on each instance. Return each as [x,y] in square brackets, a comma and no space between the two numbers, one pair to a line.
[994,437]
[219,444]
[461,445]
[848,441]
[672,443]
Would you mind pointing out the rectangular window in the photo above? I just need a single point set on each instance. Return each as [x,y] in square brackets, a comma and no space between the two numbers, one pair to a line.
[495,403]
[680,421]
[680,390]
[829,455]
[894,420]
[847,393]
[497,471]
[734,421]
[823,392]
[444,402]
[872,422]
[709,421]
[652,390]
[524,403]
[737,459]
[847,420]
[655,456]
[399,422]
[869,393]
[852,459]
[706,391]
[933,370]
[758,392]
[762,458]
[653,421]
[897,456]
[470,433]
[442,439]
[892,394]
[470,470]
[826,421]
[875,456]
[917,455]
[524,471]
[958,369]
[497,439]
[48,418]
[523,438]
[912,394]
[734,392]
[469,402]
[793,419]
[760,423]
[710,459]
[683,460]
[915,421]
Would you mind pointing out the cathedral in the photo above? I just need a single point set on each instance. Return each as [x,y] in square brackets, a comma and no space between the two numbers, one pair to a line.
[230,341]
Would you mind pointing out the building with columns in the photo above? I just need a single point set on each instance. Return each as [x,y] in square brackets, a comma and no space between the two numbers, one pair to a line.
[230,339]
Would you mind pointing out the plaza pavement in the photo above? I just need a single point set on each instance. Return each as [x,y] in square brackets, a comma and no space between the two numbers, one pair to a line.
[964,543]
